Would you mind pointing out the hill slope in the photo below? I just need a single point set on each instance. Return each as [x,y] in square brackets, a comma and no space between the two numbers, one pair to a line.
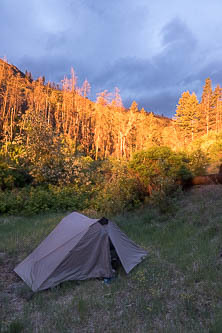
[100,129]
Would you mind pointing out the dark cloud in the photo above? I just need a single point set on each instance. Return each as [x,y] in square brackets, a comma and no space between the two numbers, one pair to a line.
[157,80]
[53,68]
[154,83]
[212,70]
[177,31]
[161,103]
[195,80]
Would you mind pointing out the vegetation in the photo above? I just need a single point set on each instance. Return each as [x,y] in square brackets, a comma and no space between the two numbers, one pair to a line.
[109,186]
[194,119]
[60,152]
[176,289]
[38,118]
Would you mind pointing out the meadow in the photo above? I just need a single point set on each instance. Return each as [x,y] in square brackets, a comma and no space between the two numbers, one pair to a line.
[177,288]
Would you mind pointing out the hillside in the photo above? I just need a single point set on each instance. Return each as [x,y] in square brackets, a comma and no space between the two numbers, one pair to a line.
[100,129]
[13,70]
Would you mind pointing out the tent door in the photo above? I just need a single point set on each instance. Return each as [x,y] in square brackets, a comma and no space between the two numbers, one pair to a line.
[115,261]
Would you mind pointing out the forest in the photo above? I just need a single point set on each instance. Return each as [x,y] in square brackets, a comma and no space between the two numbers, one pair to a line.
[61,151]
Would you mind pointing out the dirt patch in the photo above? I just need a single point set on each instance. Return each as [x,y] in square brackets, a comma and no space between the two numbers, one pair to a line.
[7,276]
[11,302]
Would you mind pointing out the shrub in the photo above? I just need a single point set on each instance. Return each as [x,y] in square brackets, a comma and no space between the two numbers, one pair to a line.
[198,162]
[33,200]
[159,166]
[12,176]
[118,191]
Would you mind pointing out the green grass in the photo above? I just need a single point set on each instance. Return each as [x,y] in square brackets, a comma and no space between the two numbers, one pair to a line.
[19,235]
[177,288]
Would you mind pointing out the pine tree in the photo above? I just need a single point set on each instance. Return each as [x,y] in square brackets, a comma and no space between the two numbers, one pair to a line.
[217,107]
[207,116]
[187,115]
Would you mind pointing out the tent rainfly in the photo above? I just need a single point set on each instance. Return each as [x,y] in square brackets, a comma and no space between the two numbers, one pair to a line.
[78,249]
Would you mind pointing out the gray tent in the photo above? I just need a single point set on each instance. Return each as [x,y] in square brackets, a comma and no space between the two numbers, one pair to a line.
[78,249]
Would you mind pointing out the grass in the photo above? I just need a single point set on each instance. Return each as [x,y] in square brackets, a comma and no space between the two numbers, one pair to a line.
[178,288]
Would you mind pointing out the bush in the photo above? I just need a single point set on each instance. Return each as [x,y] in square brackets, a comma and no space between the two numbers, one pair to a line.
[109,187]
[12,176]
[159,166]
[118,191]
[106,186]
[33,200]
[198,162]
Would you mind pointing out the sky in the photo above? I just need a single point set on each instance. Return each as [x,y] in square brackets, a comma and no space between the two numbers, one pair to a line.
[152,50]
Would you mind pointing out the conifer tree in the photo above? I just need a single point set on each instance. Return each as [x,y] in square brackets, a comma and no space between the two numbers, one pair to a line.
[187,115]
[207,116]
[217,107]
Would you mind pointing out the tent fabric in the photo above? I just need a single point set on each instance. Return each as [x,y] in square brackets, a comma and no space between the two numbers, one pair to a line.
[128,252]
[86,260]
[52,250]
[78,249]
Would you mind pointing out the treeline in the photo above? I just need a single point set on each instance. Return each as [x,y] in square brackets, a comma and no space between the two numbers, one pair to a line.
[194,118]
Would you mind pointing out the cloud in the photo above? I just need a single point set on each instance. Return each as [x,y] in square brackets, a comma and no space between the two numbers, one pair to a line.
[144,79]
[152,51]
[177,31]
[53,68]
[153,82]
[161,103]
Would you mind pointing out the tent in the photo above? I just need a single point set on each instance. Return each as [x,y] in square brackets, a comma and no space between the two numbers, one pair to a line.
[78,249]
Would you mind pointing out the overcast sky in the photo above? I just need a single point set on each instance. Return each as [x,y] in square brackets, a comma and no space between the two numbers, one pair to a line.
[152,50]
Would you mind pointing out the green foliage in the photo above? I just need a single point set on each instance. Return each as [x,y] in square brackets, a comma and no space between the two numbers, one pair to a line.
[33,200]
[198,162]
[187,115]
[12,176]
[80,171]
[109,187]
[14,151]
[159,166]
[118,191]
[44,154]
[67,182]
[215,150]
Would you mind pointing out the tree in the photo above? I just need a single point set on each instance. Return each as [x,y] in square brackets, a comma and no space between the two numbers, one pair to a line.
[217,107]
[187,115]
[102,127]
[117,100]
[206,107]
